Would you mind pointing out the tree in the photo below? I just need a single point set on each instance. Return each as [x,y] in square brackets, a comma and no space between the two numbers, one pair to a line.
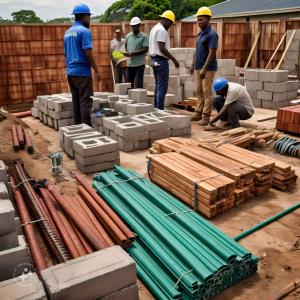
[60,20]
[117,11]
[4,21]
[25,16]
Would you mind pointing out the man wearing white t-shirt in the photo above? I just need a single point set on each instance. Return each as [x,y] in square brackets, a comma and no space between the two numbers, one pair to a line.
[233,103]
[159,45]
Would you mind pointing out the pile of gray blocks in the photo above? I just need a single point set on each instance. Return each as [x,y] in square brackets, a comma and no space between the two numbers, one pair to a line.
[13,249]
[92,151]
[54,111]
[227,69]
[291,59]
[270,88]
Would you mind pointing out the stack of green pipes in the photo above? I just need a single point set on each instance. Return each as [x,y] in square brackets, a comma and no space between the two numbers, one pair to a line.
[179,254]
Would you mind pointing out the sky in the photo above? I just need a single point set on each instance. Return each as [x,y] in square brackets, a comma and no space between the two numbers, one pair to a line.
[51,9]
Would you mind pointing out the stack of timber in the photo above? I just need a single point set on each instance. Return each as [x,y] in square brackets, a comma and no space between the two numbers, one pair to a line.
[204,189]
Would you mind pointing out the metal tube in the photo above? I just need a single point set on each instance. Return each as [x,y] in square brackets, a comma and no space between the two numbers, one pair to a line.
[28,142]
[267,221]
[21,136]
[15,138]
[29,230]
[22,114]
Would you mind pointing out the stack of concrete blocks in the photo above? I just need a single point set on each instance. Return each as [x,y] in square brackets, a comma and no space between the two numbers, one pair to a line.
[227,69]
[270,88]
[54,110]
[13,250]
[108,274]
[96,154]
[122,88]
[291,59]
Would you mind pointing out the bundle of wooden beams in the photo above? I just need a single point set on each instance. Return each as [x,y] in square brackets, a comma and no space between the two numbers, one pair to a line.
[206,190]
[288,119]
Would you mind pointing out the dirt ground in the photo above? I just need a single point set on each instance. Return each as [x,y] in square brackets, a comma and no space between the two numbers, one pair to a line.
[275,245]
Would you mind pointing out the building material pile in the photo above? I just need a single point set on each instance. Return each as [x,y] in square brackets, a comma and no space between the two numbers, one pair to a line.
[21,138]
[167,237]
[270,88]
[288,119]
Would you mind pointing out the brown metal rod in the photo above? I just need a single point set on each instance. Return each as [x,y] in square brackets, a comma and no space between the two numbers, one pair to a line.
[115,218]
[21,136]
[15,138]
[22,114]
[59,224]
[88,248]
[111,227]
[96,223]
[28,142]
[77,219]
[29,231]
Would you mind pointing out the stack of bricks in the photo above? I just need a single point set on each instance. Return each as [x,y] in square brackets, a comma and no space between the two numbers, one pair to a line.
[54,110]
[93,152]
[288,119]
[291,58]
[13,250]
[270,88]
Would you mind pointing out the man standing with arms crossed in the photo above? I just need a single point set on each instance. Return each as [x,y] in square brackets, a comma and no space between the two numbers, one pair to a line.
[80,60]
[137,44]
[159,45]
[204,65]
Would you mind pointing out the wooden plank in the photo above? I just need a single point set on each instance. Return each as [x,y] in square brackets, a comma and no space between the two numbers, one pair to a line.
[274,53]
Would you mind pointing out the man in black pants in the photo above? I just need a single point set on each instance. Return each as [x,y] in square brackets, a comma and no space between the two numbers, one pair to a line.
[233,104]
[79,60]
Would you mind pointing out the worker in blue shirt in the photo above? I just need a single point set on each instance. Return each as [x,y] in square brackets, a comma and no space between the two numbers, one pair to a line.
[79,60]
[205,66]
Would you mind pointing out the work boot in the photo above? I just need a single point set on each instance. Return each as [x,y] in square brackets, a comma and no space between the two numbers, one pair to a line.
[197,116]
[204,121]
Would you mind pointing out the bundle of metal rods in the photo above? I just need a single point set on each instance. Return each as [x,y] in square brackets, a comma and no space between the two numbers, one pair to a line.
[71,226]
[179,254]
[21,138]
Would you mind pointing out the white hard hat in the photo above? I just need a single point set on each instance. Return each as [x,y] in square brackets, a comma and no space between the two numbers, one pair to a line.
[135,21]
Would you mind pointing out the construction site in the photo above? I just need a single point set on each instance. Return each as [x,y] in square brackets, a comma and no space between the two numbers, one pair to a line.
[144,203]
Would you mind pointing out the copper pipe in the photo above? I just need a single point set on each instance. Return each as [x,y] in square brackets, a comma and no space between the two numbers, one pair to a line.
[96,223]
[102,216]
[15,138]
[83,240]
[115,218]
[22,114]
[21,136]
[28,142]
[77,219]
[59,224]
[29,230]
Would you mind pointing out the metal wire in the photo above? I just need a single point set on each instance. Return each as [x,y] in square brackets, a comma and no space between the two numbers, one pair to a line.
[288,146]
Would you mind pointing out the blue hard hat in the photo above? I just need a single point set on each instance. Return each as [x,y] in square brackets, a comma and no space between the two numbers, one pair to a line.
[81,9]
[220,83]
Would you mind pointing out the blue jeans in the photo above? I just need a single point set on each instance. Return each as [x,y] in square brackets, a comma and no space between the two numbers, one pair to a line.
[161,75]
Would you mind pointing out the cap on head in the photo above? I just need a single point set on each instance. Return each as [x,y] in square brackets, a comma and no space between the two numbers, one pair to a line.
[168,14]
[204,11]
[135,21]
[117,31]
[220,83]
[81,9]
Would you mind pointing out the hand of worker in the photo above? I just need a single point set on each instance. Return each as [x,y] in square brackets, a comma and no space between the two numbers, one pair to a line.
[127,54]
[202,73]
[192,68]
[176,63]
[97,77]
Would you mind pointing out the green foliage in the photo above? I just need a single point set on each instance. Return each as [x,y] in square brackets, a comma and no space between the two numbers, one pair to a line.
[25,16]
[5,21]
[60,20]
[117,11]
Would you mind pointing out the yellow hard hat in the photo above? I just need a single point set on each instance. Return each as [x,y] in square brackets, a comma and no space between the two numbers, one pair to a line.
[168,14]
[204,11]
[117,55]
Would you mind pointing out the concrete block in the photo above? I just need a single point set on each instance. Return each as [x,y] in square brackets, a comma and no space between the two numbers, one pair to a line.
[70,138]
[152,124]
[170,100]
[128,293]
[18,226]
[281,96]
[160,134]
[97,275]
[257,102]
[36,104]
[178,121]
[292,94]
[95,146]
[40,115]
[103,95]
[275,105]
[61,114]
[121,105]
[3,192]
[273,76]
[122,88]
[62,105]
[45,119]
[73,129]
[141,145]
[3,172]
[254,85]
[65,122]
[35,112]
[9,240]
[292,85]
[131,128]
[278,87]
[263,95]
[181,131]
[252,74]
[138,95]
[252,94]
[7,219]
[29,287]
[174,81]
[139,108]
[111,122]
[292,55]
[125,145]
[189,89]
[102,158]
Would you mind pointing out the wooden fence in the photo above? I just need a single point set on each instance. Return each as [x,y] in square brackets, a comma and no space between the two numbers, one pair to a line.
[32,57]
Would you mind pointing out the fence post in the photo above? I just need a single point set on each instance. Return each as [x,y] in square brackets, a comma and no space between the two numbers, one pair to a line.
[177,35]
[220,34]
[255,28]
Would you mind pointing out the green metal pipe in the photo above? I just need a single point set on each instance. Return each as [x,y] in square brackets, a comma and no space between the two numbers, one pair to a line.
[267,221]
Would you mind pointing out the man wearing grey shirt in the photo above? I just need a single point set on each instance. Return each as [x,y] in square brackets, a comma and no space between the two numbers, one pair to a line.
[233,103]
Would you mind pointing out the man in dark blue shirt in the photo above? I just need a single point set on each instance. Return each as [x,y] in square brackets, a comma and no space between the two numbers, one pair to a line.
[204,65]
[79,59]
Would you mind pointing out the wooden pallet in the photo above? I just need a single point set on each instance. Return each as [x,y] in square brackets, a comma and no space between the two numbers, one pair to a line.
[188,105]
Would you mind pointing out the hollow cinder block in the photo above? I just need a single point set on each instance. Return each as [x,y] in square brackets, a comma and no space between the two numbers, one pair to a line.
[122,88]
[138,95]
[253,85]
[130,128]
[273,75]
[139,108]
